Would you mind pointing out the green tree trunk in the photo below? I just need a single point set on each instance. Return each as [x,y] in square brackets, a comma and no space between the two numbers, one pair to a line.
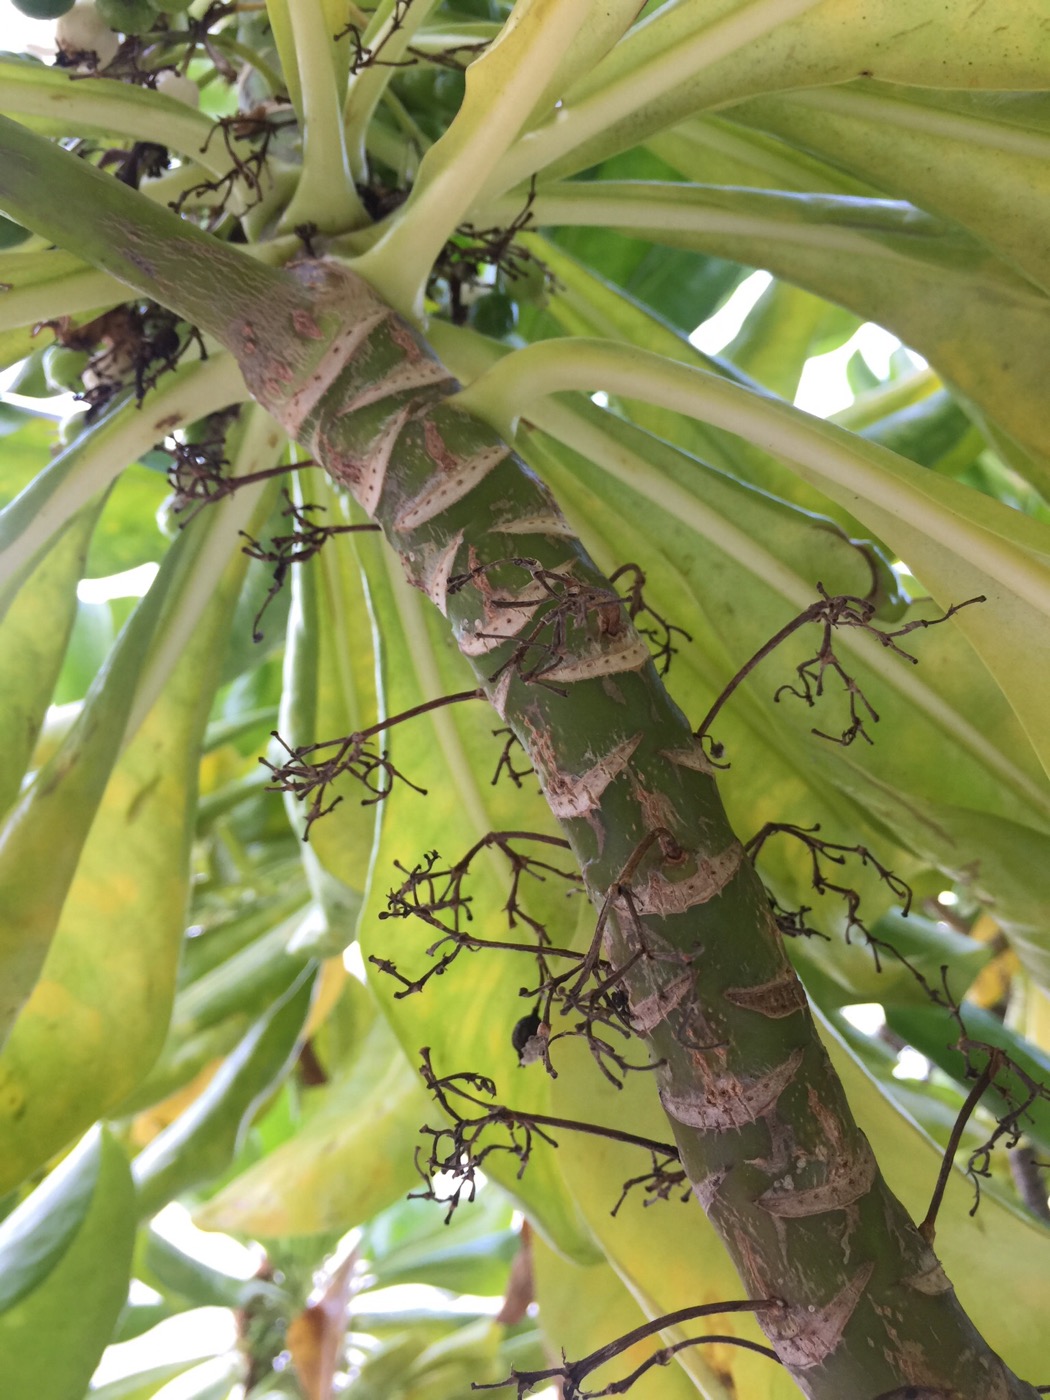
[761,1121]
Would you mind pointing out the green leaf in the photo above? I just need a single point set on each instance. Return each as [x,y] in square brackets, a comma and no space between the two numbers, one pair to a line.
[80,1298]
[410,1243]
[46,284]
[27,440]
[45,833]
[911,143]
[127,533]
[961,308]
[504,84]
[33,636]
[38,1232]
[200,1144]
[687,58]
[58,104]
[169,1270]
[935,1032]
[143,1385]
[785,328]
[330,693]
[73,478]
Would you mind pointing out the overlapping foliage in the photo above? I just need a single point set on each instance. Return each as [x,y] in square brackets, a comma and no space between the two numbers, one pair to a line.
[171,946]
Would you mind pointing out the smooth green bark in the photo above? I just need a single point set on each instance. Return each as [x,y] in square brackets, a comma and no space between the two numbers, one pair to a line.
[761,1120]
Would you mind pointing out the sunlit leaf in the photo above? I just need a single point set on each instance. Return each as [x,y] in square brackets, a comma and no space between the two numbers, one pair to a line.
[352,1157]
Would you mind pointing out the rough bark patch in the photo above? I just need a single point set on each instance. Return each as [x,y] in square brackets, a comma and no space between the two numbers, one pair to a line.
[416,374]
[628,653]
[804,1337]
[783,996]
[549,523]
[571,796]
[648,1012]
[437,569]
[337,355]
[847,1179]
[931,1281]
[705,1191]
[731,1101]
[692,757]
[659,895]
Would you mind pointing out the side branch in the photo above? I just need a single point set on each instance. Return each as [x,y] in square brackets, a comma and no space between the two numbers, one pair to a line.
[573,1373]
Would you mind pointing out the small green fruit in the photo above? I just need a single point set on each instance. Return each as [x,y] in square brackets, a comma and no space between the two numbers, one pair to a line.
[43,9]
[64,368]
[494,314]
[128,16]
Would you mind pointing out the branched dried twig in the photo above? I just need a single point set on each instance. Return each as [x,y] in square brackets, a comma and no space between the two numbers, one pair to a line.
[506,759]
[308,775]
[840,610]
[197,474]
[435,894]
[661,633]
[256,128]
[304,540]
[792,923]
[592,988]
[1015,1087]
[457,1149]
[560,608]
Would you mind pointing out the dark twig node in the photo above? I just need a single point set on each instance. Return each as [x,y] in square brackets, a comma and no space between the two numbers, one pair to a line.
[506,759]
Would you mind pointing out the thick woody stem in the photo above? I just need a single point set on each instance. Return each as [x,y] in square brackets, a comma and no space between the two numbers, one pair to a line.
[760,1119]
